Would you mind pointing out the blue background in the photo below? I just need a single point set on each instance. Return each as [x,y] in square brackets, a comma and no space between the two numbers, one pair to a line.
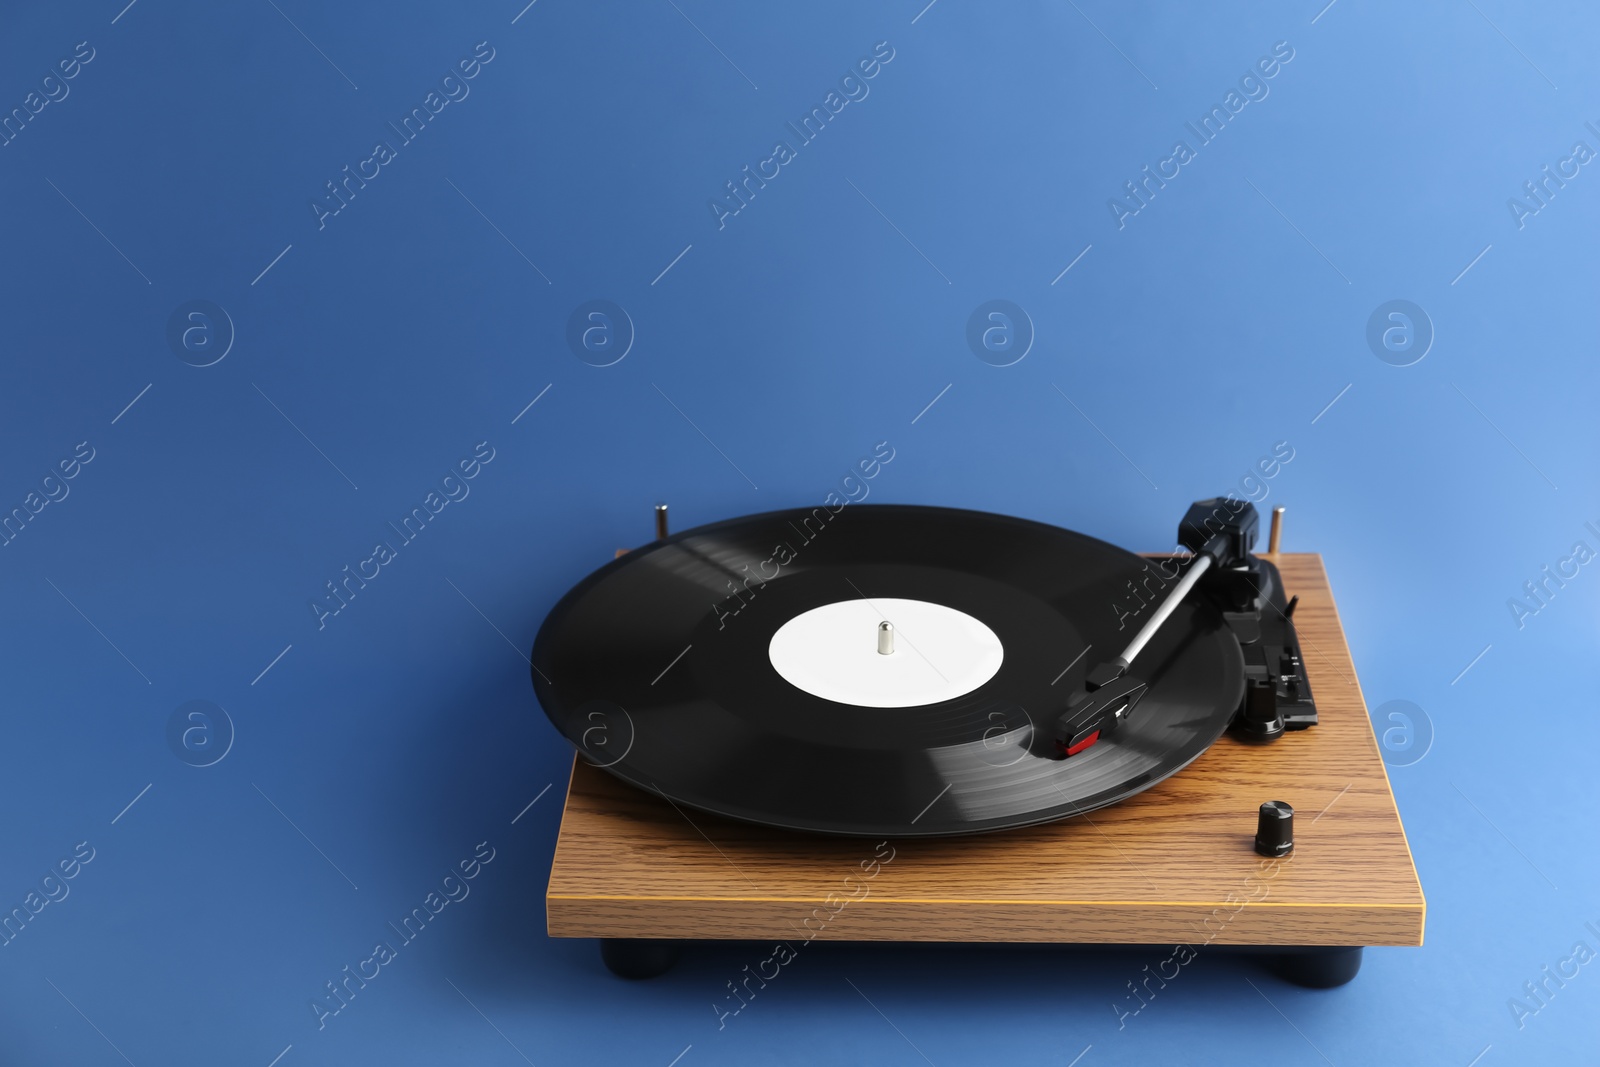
[375,352]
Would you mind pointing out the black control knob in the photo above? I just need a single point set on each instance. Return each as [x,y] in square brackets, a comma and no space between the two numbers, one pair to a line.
[1259,721]
[1275,829]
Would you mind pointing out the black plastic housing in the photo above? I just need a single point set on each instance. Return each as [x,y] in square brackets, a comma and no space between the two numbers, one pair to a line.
[1223,528]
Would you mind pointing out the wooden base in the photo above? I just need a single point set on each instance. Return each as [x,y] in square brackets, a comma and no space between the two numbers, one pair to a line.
[1172,865]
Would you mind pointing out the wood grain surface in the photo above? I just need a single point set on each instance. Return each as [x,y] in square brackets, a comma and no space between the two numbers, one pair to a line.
[1172,864]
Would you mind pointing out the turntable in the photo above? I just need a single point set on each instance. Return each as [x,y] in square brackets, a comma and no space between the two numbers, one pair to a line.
[900,723]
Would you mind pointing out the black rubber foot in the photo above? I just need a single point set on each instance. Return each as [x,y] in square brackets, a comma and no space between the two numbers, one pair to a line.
[637,958]
[1318,968]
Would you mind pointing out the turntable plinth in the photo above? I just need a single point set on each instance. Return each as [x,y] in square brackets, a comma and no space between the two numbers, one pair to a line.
[1171,865]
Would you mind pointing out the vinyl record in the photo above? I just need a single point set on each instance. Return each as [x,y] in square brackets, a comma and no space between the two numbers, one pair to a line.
[663,667]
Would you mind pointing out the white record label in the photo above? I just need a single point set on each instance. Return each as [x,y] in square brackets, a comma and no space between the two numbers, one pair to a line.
[832,652]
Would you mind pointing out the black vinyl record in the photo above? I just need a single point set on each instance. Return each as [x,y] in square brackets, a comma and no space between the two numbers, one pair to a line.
[657,668]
